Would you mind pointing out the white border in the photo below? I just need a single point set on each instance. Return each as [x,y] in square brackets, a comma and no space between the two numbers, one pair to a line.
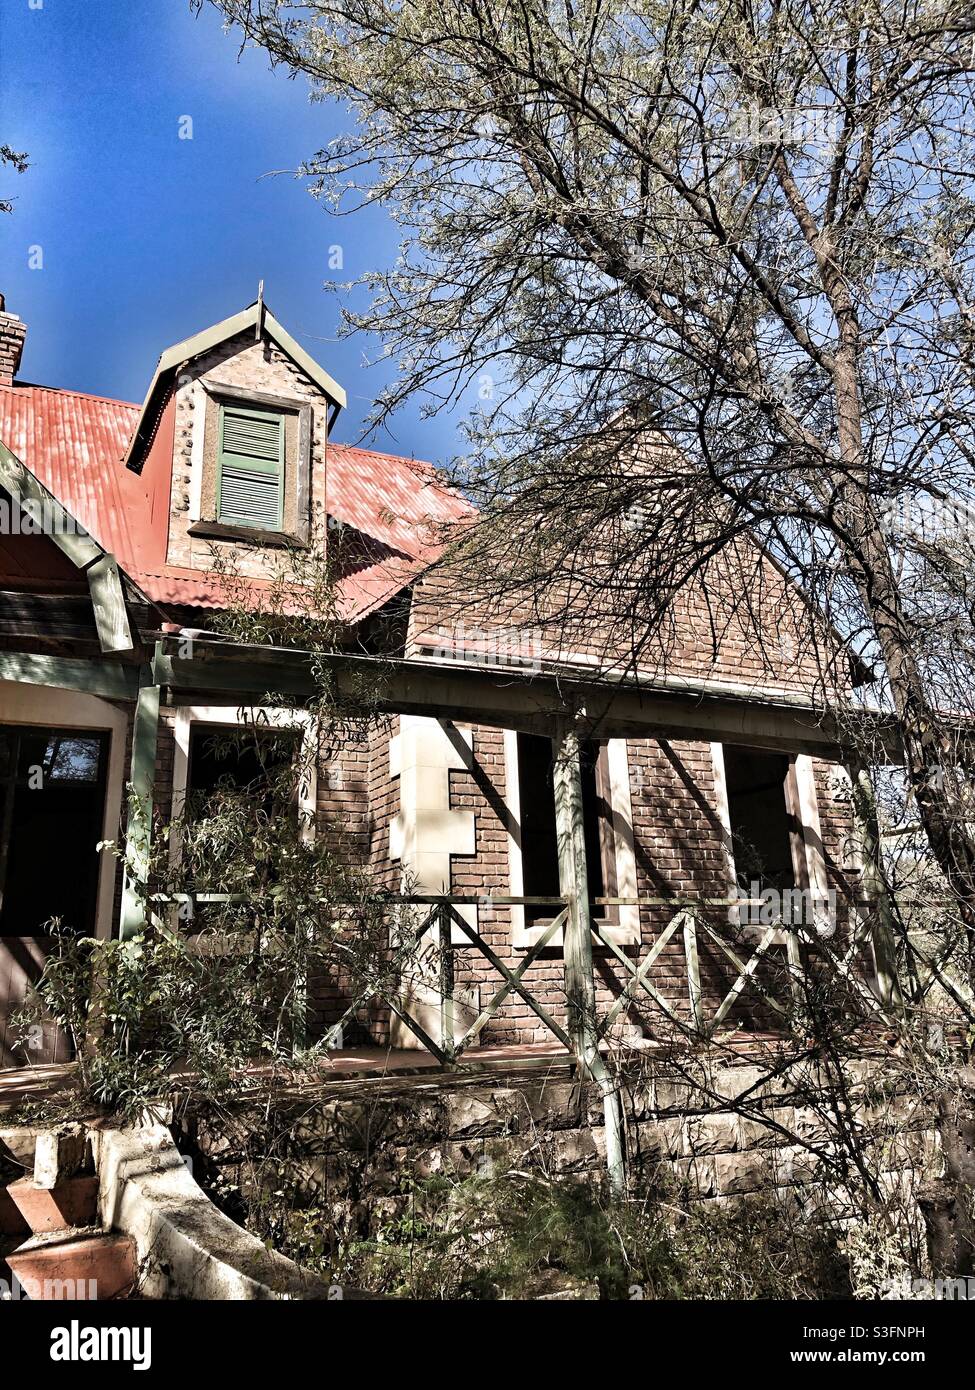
[47,706]
[627,931]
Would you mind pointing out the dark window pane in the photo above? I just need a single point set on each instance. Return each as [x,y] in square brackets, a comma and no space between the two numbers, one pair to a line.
[75,759]
[759,818]
[539,844]
[539,840]
[241,760]
[595,819]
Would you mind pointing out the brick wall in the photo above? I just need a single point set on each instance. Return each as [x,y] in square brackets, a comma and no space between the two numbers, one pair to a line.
[679,853]
[739,620]
[12,335]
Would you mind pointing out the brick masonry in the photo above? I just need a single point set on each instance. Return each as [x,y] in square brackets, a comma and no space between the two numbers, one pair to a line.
[679,853]
[12,335]
[255,366]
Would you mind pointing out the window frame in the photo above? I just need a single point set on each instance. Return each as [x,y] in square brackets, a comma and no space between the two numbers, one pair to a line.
[626,930]
[209,398]
[190,716]
[806,842]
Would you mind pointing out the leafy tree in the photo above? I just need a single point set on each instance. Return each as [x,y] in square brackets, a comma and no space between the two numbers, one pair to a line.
[709,270]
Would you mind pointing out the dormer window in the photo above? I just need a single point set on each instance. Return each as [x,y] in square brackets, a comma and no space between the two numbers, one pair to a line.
[250,475]
[251,478]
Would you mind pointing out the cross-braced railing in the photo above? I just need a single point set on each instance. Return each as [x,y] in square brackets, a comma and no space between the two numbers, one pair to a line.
[689,925]
[689,922]
[438,921]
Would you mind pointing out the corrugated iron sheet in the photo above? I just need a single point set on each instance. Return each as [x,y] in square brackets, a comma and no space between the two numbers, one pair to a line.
[74,443]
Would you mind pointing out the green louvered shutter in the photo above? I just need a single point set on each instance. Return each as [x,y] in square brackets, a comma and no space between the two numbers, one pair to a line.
[251,474]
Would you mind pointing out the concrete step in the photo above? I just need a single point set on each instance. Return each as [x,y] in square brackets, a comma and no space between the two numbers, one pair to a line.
[70,1202]
[82,1264]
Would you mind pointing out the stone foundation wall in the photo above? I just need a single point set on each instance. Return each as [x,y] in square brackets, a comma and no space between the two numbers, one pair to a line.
[723,1133]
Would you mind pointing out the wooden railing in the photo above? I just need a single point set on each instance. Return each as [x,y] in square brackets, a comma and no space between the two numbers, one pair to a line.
[689,924]
[689,920]
[443,917]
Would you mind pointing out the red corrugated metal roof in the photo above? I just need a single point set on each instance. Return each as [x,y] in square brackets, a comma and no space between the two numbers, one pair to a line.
[395,500]
[74,443]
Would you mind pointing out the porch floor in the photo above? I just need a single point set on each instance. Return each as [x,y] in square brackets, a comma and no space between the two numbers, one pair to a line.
[375,1065]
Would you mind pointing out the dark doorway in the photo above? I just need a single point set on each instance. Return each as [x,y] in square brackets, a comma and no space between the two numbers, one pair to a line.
[52,819]
[52,811]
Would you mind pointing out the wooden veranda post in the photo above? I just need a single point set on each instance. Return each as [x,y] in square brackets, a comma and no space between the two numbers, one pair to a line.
[580,986]
[875,889]
[145,734]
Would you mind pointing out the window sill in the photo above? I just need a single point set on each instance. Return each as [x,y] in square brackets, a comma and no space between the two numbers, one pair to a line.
[525,937]
[219,530]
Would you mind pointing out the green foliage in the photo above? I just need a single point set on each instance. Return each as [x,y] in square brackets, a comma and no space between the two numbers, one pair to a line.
[142,1010]
[18,161]
[206,991]
[518,1235]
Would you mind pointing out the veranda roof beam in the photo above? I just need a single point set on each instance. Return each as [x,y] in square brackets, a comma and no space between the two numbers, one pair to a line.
[230,674]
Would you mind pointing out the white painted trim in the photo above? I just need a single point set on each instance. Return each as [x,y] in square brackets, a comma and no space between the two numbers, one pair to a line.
[812,834]
[197,451]
[45,706]
[624,845]
[427,832]
[516,873]
[627,931]
[723,810]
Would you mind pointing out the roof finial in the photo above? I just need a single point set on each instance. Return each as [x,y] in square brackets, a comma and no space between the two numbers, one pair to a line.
[259,325]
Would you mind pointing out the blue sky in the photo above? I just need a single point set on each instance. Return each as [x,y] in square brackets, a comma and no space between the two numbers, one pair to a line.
[144,237]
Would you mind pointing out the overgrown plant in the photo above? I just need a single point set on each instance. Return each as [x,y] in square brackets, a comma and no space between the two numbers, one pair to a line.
[516,1234]
[241,922]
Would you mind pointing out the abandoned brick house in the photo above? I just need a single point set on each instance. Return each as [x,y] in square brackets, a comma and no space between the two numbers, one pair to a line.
[112,514]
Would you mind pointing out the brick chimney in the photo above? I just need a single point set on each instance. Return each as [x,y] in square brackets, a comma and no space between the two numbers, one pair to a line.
[12,335]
